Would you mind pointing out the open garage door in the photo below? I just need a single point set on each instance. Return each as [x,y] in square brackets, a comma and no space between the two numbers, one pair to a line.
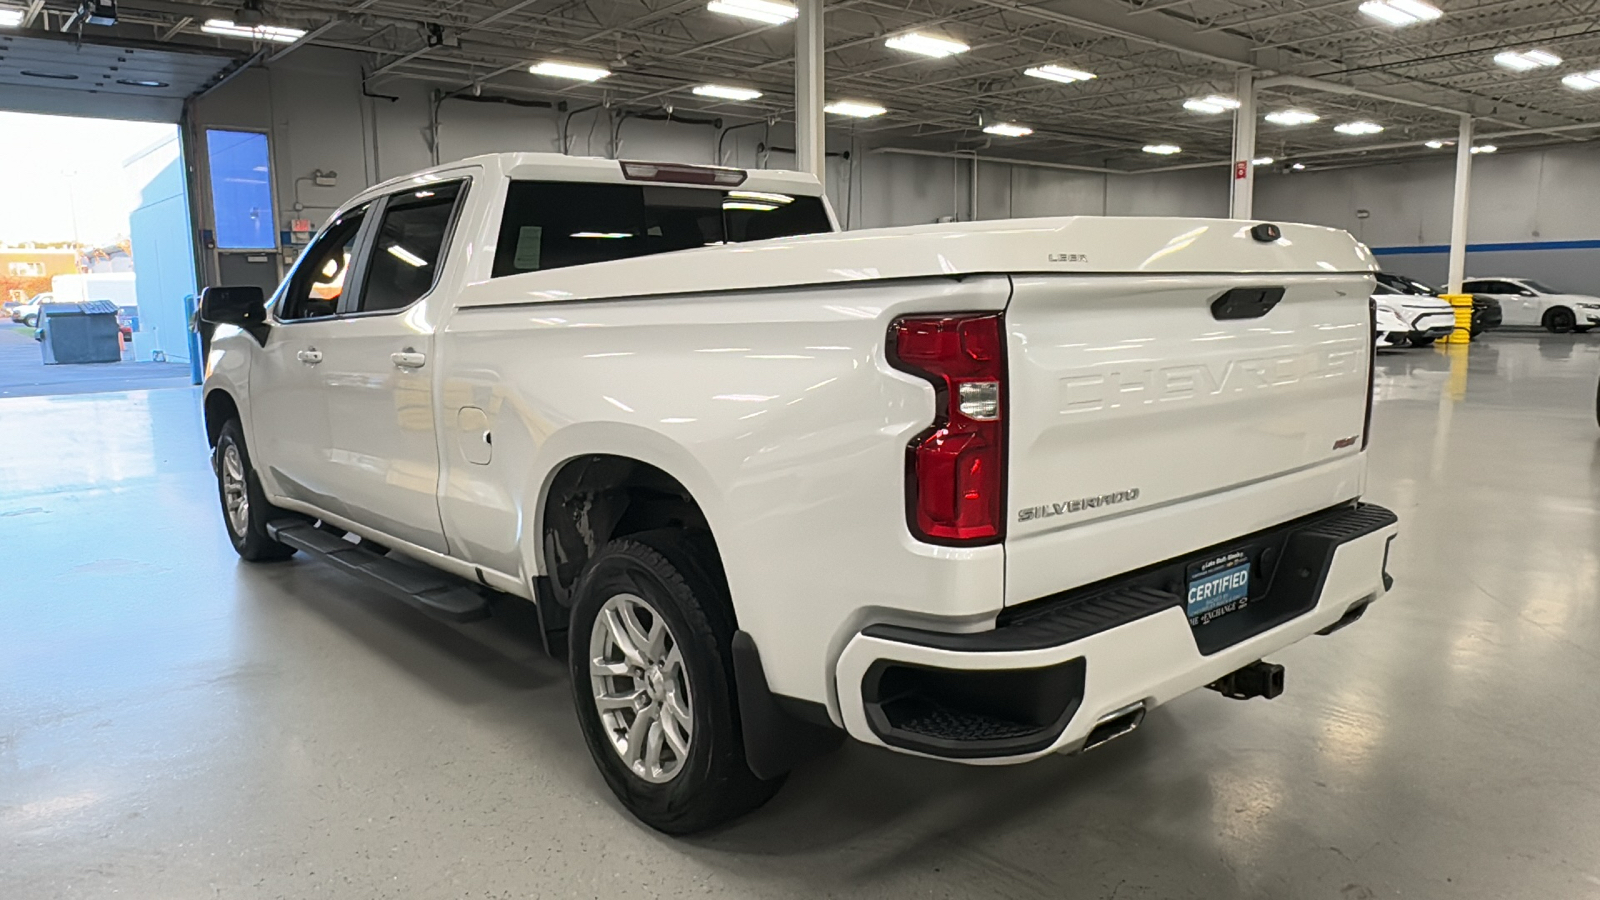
[60,75]
[99,214]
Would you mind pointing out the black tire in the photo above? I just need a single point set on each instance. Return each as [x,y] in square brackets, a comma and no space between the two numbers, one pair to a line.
[677,575]
[251,540]
[1422,341]
[1560,321]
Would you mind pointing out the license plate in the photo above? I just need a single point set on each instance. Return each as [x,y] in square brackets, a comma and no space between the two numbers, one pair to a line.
[1217,587]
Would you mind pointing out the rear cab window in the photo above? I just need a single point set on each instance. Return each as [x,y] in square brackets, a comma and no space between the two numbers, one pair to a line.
[556,224]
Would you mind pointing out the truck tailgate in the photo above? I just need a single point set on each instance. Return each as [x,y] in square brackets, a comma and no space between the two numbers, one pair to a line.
[1131,394]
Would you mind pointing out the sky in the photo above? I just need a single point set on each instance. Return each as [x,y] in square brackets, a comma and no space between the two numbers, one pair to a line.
[64,177]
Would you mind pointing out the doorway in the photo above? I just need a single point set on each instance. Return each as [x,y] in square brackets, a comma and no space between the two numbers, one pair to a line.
[95,224]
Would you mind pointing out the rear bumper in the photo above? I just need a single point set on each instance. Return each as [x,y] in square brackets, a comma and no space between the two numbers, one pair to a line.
[1050,671]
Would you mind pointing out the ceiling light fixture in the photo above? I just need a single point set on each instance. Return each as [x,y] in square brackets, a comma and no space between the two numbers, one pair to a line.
[926,45]
[1061,74]
[1526,60]
[226,28]
[1358,128]
[602,235]
[1298,167]
[1262,161]
[854,109]
[1583,81]
[725,92]
[142,82]
[1162,149]
[1292,117]
[570,71]
[1438,144]
[1400,12]
[1210,105]
[1008,129]
[1485,148]
[10,18]
[755,10]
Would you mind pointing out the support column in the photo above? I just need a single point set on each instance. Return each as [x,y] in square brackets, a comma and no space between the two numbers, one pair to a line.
[1458,207]
[1242,200]
[810,151]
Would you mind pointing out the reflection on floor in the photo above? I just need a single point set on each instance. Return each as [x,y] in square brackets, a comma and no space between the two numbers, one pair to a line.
[175,724]
[24,374]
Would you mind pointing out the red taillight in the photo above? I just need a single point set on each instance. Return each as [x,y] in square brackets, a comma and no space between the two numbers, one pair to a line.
[956,469]
[1372,366]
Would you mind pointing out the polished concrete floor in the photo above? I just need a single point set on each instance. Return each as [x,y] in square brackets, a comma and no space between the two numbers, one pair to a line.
[24,374]
[174,724]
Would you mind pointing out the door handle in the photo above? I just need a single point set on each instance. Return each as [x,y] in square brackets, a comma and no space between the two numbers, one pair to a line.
[409,359]
[310,356]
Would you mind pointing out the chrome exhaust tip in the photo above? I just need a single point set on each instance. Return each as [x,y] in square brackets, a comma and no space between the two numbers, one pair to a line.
[1115,724]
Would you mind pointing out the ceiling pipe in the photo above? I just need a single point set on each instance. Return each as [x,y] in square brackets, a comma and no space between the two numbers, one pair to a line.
[1040,164]
[1333,87]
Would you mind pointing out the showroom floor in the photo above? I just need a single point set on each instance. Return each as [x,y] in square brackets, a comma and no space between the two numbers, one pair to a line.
[176,724]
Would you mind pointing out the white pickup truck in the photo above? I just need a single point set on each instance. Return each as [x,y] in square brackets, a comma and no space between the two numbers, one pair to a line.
[981,491]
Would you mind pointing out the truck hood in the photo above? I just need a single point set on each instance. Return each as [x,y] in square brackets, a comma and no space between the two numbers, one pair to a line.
[1082,245]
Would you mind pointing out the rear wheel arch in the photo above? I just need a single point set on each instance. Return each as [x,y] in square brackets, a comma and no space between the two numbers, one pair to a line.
[595,498]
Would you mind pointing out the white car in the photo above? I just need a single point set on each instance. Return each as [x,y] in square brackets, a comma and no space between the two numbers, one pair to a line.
[28,313]
[1392,331]
[1411,318]
[1524,301]
[979,492]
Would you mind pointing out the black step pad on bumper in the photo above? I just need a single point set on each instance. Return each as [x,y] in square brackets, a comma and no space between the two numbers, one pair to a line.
[1303,549]
[436,593]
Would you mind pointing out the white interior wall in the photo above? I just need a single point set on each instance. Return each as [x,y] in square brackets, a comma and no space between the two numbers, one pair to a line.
[313,106]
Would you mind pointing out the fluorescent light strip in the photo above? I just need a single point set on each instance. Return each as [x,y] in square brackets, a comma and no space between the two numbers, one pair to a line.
[10,18]
[1400,12]
[761,197]
[1437,145]
[1262,161]
[1358,128]
[1008,129]
[1162,149]
[1061,74]
[748,204]
[607,235]
[1584,81]
[926,45]
[1210,105]
[1526,60]
[1292,117]
[570,71]
[755,10]
[1485,148]
[406,256]
[724,92]
[853,109]
[272,33]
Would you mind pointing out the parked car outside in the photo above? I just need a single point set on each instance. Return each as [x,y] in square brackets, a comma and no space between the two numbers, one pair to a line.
[1524,301]
[28,313]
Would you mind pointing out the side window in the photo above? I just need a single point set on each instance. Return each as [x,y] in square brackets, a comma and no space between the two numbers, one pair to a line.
[409,247]
[1480,287]
[318,280]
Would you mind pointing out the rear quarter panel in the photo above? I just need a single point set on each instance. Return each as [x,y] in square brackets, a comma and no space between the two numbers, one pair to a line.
[774,408]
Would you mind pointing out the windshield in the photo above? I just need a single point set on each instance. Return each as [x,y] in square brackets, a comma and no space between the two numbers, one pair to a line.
[1403,285]
[554,224]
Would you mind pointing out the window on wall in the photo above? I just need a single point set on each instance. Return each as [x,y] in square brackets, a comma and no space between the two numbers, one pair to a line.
[241,190]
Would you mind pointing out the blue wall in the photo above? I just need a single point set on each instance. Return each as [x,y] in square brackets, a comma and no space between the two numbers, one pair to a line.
[163,245]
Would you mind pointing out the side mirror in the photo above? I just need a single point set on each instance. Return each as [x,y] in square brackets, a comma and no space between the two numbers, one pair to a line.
[241,306]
